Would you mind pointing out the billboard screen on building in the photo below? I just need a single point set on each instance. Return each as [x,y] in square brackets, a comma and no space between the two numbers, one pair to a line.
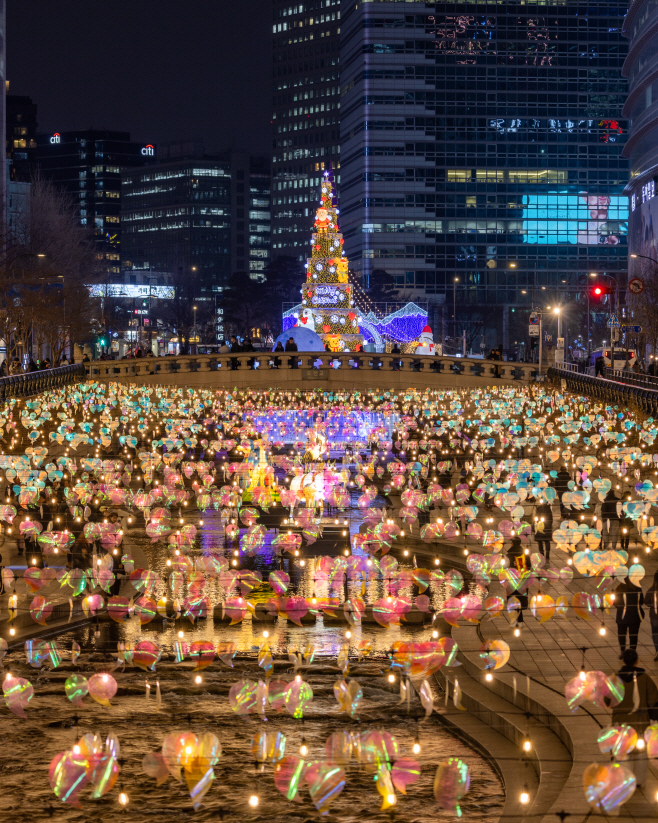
[583,218]
[644,219]
[131,290]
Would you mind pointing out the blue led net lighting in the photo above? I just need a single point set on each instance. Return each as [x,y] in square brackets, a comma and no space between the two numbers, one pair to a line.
[401,326]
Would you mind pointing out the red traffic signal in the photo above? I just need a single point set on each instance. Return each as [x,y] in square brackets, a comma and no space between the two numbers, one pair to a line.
[600,291]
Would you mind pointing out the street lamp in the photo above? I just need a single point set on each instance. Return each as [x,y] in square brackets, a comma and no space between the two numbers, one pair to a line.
[558,313]
[454,306]
[196,346]
[644,257]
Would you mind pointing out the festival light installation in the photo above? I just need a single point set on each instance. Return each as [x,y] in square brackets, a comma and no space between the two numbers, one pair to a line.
[250,458]
[327,300]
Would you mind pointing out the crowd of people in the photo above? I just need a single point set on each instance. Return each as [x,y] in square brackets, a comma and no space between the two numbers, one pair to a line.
[15,366]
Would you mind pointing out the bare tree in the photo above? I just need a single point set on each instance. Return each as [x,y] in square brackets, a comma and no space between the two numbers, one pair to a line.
[46,265]
[644,307]
[179,315]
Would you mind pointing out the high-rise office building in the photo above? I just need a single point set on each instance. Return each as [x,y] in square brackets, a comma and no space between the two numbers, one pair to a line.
[306,115]
[199,216]
[21,136]
[481,151]
[176,218]
[251,213]
[87,164]
[641,68]
[3,93]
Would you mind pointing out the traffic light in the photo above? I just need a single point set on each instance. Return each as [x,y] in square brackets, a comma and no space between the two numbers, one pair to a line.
[599,292]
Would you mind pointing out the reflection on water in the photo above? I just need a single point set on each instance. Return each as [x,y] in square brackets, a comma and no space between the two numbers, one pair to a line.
[306,580]
[341,426]
[284,635]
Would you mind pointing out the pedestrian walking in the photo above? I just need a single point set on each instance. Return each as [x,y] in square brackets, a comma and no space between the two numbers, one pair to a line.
[638,704]
[610,518]
[629,600]
[625,529]
[517,559]
[561,485]
[544,529]
[119,573]
[651,600]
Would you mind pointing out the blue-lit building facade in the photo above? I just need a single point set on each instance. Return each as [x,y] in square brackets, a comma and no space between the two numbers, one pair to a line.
[481,152]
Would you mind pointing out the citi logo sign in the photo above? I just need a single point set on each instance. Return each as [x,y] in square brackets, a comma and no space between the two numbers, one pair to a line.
[55,138]
[148,151]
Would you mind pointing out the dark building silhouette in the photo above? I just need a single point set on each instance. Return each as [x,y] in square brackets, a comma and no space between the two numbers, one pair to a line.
[88,165]
[198,216]
[641,107]
[21,136]
[305,116]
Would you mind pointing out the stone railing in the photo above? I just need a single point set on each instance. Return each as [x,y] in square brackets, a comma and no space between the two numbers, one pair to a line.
[27,384]
[306,369]
[609,391]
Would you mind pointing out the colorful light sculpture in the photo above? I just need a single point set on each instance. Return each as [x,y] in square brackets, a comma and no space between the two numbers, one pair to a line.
[327,304]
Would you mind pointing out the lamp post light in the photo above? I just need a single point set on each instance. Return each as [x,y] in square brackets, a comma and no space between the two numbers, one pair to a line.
[645,257]
[454,307]
[558,313]
[588,333]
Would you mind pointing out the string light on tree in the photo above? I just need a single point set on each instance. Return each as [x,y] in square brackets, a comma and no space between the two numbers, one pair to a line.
[327,296]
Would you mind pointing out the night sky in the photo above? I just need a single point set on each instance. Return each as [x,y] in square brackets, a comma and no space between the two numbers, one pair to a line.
[161,70]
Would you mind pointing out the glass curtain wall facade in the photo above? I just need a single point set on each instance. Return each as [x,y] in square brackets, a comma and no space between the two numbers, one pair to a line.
[87,164]
[251,212]
[177,218]
[481,149]
[305,115]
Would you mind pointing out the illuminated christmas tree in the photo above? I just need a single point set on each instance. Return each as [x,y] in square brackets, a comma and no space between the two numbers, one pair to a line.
[327,306]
